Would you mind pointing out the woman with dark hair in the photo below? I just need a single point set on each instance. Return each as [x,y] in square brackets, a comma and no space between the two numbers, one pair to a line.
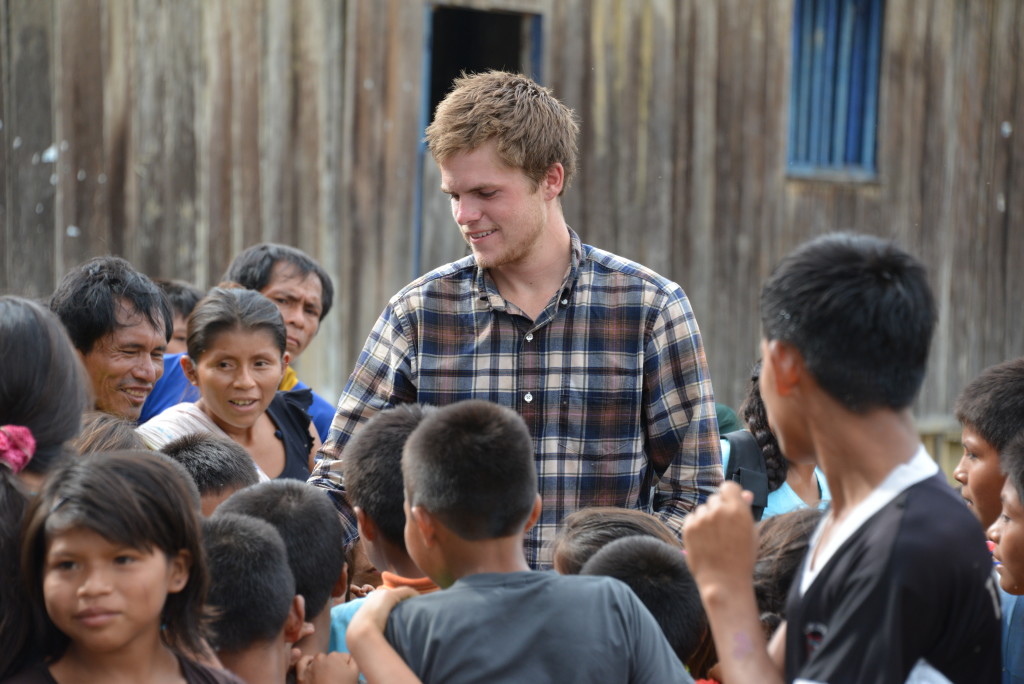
[236,358]
[43,391]
[791,486]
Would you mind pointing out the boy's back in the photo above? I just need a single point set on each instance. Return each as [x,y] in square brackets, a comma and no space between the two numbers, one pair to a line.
[532,627]
[912,582]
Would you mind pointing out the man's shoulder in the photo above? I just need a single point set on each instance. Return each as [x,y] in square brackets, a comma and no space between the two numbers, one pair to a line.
[603,264]
[452,276]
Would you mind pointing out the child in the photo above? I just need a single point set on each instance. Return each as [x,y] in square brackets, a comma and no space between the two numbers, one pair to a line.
[1008,535]
[106,432]
[219,467]
[471,494]
[373,483]
[183,298]
[991,412]
[308,523]
[896,581]
[782,542]
[658,575]
[258,616]
[117,574]
[587,531]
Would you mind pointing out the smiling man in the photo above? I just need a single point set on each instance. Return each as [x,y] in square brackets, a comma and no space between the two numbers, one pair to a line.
[120,323]
[601,356]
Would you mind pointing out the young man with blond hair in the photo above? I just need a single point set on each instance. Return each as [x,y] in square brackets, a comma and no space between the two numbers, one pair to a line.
[601,356]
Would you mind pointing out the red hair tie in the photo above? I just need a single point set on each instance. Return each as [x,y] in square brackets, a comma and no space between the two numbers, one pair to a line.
[17,446]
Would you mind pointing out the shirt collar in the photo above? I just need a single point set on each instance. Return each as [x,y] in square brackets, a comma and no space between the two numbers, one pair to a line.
[487,291]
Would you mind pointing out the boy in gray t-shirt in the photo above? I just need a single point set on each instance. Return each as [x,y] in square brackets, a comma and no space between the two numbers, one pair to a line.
[471,494]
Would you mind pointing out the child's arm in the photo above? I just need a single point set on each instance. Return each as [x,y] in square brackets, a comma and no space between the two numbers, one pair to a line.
[721,546]
[377,660]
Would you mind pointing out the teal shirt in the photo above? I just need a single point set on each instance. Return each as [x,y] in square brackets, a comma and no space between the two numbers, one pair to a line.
[784,499]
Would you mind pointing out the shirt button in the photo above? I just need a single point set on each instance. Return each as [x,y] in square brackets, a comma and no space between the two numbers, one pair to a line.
[529,337]
[528,398]
[565,302]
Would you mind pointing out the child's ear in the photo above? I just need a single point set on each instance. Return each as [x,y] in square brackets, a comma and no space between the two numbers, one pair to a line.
[286,359]
[179,568]
[534,514]
[294,623]
[425,525]
[787,365]
[367,529]
[190,369]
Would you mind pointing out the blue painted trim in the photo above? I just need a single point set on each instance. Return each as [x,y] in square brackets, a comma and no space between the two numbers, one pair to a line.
[537,48]
[421,147]
[828,95]
[855,119]
[842,84]
[794,83]
[867,154]
[806,44]
[818,48]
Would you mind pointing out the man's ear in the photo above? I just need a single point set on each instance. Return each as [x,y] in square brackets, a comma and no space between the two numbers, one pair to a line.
[534,514]
[293,624]
[367,528]
[189,368]
[553,181]
[426,525]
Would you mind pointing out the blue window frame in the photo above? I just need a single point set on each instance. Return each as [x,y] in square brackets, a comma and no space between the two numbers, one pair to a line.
[833,116]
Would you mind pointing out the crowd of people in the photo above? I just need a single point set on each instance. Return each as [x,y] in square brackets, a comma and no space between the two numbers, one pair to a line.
[523,477]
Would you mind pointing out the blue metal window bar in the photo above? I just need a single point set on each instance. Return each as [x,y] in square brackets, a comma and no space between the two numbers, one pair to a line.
[833,116]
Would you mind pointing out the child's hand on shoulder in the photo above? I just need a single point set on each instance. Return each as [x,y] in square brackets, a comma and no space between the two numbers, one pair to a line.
[327,668]
[373,615]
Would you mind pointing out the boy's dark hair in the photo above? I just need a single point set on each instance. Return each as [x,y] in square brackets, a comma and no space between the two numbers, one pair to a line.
[252,269]
[42,384]
[1011,460]
[373,468]
[87,299]
[226,309]
[182,296]
[310,528]
[128,497]
[251,584]
[756,417]
[860,312]
[781,547]
[106,432]
[993,403]
[658,575]
[215,464]
[588,530]
[471,465]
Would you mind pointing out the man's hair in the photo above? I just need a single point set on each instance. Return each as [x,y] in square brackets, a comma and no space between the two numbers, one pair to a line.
[251,584]
[373,468]
[88,297]
[470,464]
[531,128]
[227,309]
[658,575]
[860,312]
[586,531]
[993,403]
[310,527]
[215,464]
[253,267]
[182,296]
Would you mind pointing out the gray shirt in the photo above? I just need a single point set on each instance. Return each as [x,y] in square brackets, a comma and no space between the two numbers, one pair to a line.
[533,627]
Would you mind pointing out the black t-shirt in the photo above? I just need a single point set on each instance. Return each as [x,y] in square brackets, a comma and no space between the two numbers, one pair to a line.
[913,582]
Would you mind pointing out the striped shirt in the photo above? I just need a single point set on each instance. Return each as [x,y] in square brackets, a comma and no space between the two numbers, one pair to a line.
[610,378]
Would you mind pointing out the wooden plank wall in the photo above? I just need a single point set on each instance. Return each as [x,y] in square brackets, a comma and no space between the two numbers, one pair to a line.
[176,133]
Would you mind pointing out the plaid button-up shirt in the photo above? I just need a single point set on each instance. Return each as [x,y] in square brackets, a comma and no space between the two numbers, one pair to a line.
[610,378]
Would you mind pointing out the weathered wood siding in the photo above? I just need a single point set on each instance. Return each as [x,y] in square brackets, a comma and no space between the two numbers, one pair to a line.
[177,132]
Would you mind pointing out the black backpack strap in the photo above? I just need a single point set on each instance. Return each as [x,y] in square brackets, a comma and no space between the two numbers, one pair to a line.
[746,466]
